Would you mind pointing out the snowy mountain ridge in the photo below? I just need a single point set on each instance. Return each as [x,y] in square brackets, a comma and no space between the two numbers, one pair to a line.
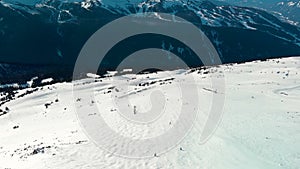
[209,13]
[290,4]
[239,34]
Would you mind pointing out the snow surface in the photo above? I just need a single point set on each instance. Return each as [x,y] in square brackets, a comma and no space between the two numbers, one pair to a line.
[48,80]
[260,127]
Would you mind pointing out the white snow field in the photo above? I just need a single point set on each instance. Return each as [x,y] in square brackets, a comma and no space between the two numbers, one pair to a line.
[259,129]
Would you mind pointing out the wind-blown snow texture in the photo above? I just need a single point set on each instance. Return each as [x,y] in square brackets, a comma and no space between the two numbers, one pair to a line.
[259,129]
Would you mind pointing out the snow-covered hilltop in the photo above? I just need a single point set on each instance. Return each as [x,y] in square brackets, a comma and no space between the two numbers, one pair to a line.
[259,129]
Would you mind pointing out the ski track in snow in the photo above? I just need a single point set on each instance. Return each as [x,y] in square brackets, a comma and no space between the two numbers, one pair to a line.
[260,127]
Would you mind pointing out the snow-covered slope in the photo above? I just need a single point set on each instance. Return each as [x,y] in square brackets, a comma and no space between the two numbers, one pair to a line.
[287,10]
[259,129]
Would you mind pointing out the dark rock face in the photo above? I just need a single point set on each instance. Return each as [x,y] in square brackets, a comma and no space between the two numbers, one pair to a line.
[44,40]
